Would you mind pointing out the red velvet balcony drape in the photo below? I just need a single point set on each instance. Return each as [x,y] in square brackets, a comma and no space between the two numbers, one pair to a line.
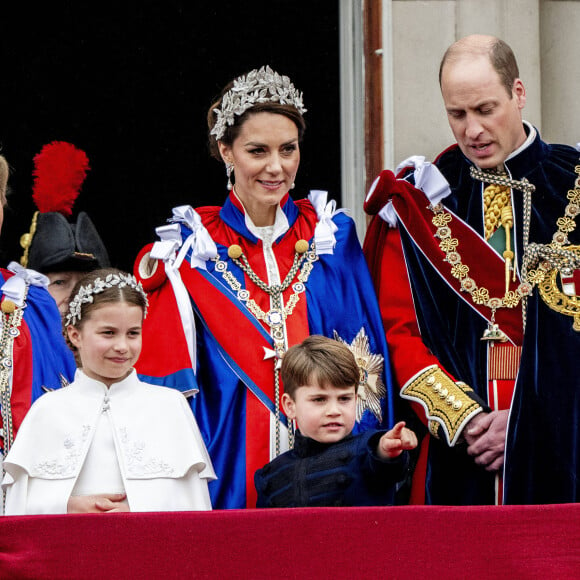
[402,542]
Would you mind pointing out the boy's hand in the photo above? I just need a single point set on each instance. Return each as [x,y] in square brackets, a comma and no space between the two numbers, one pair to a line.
[395,441]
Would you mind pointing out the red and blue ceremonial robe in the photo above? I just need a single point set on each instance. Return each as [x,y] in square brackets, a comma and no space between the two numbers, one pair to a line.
[35,357]
[202,333]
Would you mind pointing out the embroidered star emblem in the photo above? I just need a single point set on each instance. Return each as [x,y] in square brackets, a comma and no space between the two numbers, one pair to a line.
[371,388]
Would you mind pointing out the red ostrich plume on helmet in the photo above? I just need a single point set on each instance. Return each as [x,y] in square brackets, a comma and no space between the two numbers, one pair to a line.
[59,172]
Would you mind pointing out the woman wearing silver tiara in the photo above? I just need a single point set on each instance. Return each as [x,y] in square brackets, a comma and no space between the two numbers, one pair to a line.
[107,442]
[232,288]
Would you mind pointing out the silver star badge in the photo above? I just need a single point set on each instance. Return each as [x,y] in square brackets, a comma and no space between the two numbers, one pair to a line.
[371,388]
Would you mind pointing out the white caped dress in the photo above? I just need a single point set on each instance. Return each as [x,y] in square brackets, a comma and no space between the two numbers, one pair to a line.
[87,439]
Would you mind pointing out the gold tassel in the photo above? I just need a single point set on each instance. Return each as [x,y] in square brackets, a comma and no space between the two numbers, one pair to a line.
[507,222]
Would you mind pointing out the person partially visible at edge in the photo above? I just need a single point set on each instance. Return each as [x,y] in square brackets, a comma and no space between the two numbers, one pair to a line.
[232,287]
[35,358]
[329,466]
[107,442]
[61,248]
[475,260]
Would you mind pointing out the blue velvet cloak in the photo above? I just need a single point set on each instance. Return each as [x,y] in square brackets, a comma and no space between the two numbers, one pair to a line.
[542,463]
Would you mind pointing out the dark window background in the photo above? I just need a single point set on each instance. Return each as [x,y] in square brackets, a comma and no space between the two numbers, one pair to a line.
[130,84]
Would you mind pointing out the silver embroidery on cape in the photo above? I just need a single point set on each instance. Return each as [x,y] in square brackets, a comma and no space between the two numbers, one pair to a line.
[137,463]
[65,465]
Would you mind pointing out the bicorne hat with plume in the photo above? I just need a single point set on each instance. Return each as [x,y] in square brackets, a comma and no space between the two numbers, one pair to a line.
[55,244]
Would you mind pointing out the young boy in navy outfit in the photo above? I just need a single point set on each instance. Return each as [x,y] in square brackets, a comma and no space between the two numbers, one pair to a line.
[329,466]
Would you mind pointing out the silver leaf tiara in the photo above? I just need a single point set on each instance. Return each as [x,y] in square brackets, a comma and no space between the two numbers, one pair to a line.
[85,293]
[258,86]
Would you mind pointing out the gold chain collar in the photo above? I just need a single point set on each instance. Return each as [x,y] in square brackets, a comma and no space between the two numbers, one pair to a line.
[549,258]
[479,294]
[556,254]
[304,259]
[275,318]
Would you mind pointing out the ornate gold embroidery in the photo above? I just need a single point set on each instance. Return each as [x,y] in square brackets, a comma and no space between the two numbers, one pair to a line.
[554,297]
[446,402]
[433,427]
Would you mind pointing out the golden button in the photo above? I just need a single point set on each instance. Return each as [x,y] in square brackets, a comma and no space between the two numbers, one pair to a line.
[234,251]
[301,246]
[8,307]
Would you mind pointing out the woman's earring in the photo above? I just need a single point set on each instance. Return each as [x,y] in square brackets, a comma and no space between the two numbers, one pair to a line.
[229,169]
[293,185]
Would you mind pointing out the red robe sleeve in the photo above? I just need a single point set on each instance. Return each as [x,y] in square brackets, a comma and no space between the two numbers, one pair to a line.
[442,404]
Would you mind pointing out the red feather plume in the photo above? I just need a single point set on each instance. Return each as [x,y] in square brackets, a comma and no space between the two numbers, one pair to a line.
[59,172]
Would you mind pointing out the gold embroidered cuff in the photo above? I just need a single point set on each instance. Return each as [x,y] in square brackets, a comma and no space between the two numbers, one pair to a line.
[447,404]
[434,427]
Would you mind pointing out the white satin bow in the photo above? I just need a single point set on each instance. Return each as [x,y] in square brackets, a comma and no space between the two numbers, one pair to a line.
[172,251]
[202,246]
[325,228]
[427,178]
[15,287]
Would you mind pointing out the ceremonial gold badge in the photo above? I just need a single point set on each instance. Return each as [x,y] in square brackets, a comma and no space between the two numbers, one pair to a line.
[559,294]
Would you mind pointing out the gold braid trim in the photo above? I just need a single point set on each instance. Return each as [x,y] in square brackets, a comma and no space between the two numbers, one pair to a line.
[447,403]
[26,240]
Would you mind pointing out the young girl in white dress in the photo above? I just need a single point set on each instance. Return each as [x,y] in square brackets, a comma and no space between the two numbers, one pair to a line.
[107,442]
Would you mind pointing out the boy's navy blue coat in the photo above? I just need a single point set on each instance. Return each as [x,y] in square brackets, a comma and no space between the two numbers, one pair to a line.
[346,473]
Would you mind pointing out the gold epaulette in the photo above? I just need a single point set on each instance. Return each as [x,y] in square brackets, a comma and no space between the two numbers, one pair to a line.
[448,405]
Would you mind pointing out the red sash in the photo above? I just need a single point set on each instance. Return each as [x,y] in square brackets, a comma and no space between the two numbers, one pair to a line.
[486,267]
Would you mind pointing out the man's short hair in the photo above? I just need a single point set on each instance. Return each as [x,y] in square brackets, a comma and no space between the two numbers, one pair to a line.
[500,55]
[321,360]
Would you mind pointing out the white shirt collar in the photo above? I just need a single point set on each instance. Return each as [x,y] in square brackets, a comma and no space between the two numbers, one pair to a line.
[281,225]
[529,140]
